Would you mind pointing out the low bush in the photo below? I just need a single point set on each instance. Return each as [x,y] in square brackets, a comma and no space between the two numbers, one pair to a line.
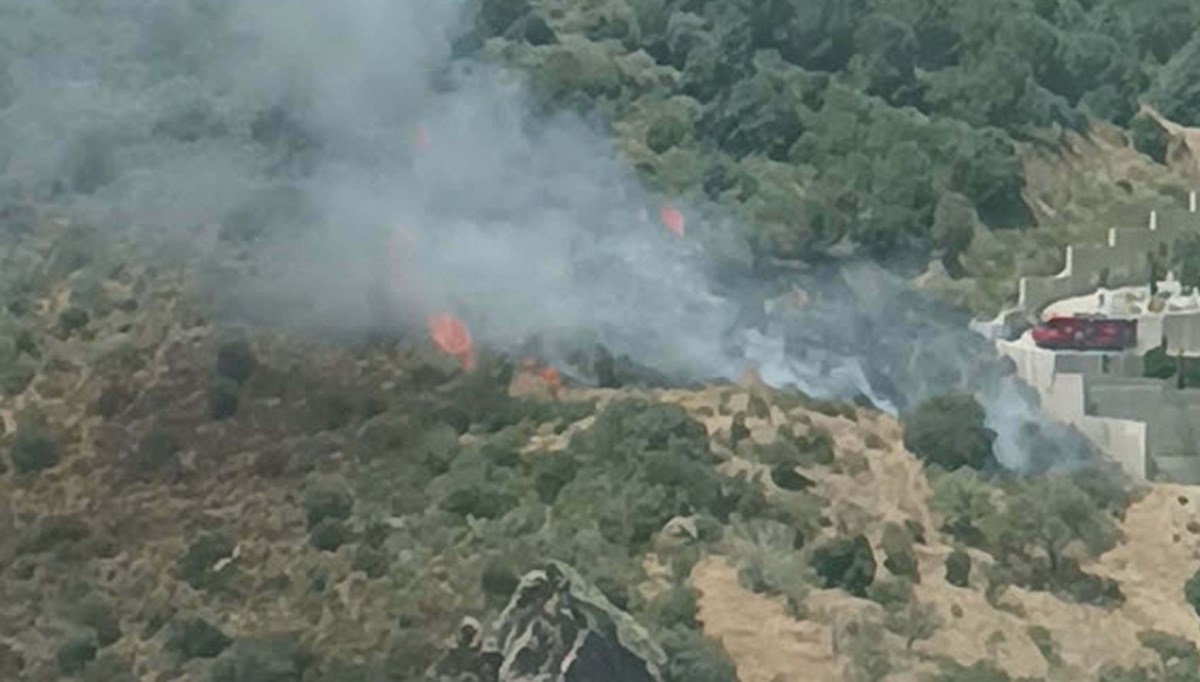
[958,568]
[194,637]
[101,616]
[328,535]
[949,431]
[223,398]
[75,654]
[897,545]
[846,563]
[327,499]
[35,448]
[197,565]
[267,659]
[691,657]
[236,360]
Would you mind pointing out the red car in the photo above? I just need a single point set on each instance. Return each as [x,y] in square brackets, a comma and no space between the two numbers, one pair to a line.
[1077,333]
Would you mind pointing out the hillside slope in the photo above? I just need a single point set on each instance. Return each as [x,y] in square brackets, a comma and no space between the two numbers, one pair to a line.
[182,501]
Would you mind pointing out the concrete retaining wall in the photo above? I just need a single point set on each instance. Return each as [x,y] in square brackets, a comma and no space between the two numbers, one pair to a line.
[1147,426]
[1182,333]
[1185,470]
[1122,261]
[1172,417]
[1063,396]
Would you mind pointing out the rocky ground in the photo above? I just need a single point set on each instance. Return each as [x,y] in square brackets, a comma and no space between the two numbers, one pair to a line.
[185,500]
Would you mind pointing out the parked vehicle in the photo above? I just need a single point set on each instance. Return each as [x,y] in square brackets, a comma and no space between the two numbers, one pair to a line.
[1080,333]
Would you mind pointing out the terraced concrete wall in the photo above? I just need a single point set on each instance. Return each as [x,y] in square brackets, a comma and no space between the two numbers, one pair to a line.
[1122,261]
[1144,425]
[1171,418]
[1181,331]
[1060,381]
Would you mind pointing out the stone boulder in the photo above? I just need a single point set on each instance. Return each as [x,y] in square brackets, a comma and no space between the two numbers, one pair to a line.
[557,627]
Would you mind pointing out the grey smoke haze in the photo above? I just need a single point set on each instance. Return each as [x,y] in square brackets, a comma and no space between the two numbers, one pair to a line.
[291,127]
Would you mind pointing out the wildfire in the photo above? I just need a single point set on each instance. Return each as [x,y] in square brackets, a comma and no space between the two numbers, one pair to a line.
[536,379]
[451,336]
[671,219]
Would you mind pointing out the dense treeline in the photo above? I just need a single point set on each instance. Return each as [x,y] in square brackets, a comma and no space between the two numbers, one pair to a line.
[868,118]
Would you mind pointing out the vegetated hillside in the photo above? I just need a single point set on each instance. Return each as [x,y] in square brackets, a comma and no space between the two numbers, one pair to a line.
[182,501]
[911,127]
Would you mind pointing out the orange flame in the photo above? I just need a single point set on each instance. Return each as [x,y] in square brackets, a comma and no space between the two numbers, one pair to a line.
[452,338]
[671,219]
[547,375]
[550,376]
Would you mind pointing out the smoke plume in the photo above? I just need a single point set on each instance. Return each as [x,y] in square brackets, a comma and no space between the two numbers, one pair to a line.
[336,169]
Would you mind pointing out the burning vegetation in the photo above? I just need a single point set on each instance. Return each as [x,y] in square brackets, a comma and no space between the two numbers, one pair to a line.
[268,435]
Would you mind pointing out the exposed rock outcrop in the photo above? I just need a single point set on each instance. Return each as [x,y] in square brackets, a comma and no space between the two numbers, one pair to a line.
[557,627]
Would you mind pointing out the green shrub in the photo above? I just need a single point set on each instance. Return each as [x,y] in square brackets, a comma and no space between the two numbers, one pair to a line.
[75,654]
[1149,137]
[1171,649]
[915,530]
[914,622]
[101,616]
[786,477]
[958,568]
[949,431]
[897,546]
[156,455]
[34,448]
[266,659]
[371,561]
[965,504]
[693,658]
[1110,672]
[551,472]
[327,500]
[110,666]
[738,431]
[846,563]
[627,428]
[1191,591]
[72,320]
[982,671]
[815,448]
[767,560]
[665,132]
[15,376]
[328,535]
[236,360]
[503,448]
[891,594]
[194,637]
[53,532]
[113,398]
[614,589]
[674,608]
[196,566]
[1044,641]
[832,408]
[222,398]
[866,647]
[482,500]
[498,580]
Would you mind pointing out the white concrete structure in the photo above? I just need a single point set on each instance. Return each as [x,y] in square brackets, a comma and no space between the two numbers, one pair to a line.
[1145,425]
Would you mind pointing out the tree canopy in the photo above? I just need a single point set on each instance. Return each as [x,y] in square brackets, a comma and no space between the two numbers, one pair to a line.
[877,108]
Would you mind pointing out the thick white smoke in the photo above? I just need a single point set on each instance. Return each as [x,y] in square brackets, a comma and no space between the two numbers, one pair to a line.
[293,127]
